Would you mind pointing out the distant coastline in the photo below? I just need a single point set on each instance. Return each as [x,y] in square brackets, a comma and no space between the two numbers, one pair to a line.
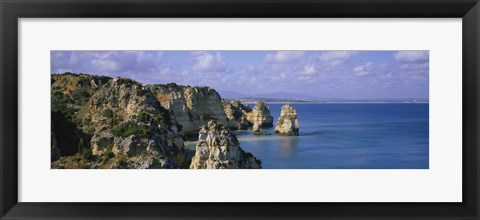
[293,101]
[307,103]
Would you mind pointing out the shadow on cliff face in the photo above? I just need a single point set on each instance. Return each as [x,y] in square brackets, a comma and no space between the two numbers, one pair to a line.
[69,138]
[189,149]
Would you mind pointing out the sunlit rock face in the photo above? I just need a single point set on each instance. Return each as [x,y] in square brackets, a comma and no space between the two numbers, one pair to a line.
[122,125]
[287,123]
[218,148]
[236,115]
[191,107]
[261,115]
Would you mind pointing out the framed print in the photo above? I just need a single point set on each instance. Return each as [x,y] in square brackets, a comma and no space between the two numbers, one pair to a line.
[227,109]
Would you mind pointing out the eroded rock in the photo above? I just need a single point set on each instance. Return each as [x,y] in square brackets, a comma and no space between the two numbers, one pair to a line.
[191,107]
[236,115]
[260,114]
[218,148]
[287,123]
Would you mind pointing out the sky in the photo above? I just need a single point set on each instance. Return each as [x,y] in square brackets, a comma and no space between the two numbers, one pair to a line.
[319,74]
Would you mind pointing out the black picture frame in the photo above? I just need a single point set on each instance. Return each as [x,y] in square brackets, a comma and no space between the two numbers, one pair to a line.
[12,10]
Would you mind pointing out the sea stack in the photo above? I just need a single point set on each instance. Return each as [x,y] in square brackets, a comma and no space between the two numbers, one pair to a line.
[287,123]
[256,128]
[261,115]
[218,148]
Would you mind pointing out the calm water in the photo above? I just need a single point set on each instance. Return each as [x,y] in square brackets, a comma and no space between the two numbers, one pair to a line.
[346,136]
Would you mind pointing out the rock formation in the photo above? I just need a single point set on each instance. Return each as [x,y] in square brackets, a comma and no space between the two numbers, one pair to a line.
[243,108]
[134,151]
[236,115]
[218,148]
[100,122]
[69,94]
[190,107]
[143,129]
[287,123]
[258,131]
[256,128]
[261,115]
[125,126]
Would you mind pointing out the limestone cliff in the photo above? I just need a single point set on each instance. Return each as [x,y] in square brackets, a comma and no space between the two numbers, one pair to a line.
[70,93]
[134,151]
[190,107]
[287,123]
[261,115]
[218,148]
[243,108]
[256,128]
[236,115]
[100,122]
[126,127]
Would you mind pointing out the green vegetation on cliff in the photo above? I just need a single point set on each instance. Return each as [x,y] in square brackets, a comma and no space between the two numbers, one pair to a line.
[124,111]
[69,95]
[131,128]
[103,122]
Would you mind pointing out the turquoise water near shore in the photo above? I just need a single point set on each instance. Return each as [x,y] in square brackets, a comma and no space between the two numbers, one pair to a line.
[347,136]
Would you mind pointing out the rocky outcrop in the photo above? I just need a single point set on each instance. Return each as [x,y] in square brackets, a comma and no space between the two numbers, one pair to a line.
[256,128]
[102,122]
[123,99]
[190,107]
[69,94]
[236,115]
[218,148]
[287,123]
[101,142]
[243,108]
[126,127]
[134,151]
[261,115]
[141,126]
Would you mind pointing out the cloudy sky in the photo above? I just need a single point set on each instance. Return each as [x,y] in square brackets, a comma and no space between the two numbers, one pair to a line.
[322,74]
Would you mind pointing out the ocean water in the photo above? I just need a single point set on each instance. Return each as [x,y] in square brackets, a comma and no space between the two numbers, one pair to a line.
[346,136]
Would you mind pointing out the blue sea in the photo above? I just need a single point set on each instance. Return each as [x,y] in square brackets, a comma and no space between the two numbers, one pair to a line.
[346,136]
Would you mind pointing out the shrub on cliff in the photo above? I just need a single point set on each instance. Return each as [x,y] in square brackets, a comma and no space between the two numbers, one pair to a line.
[80,94]
[131,128]
[107,113]
[87,154]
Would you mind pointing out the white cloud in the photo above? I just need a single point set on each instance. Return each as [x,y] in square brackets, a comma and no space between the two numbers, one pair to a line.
[106,65]
[305,77]
[414,66]
[309,70]
[274,76]
[283,56]
[166,70]
[336,56]
[146,58]
[197,52]
[411,56]
[106,62]
[210,63]
[386,75]
[364,69]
